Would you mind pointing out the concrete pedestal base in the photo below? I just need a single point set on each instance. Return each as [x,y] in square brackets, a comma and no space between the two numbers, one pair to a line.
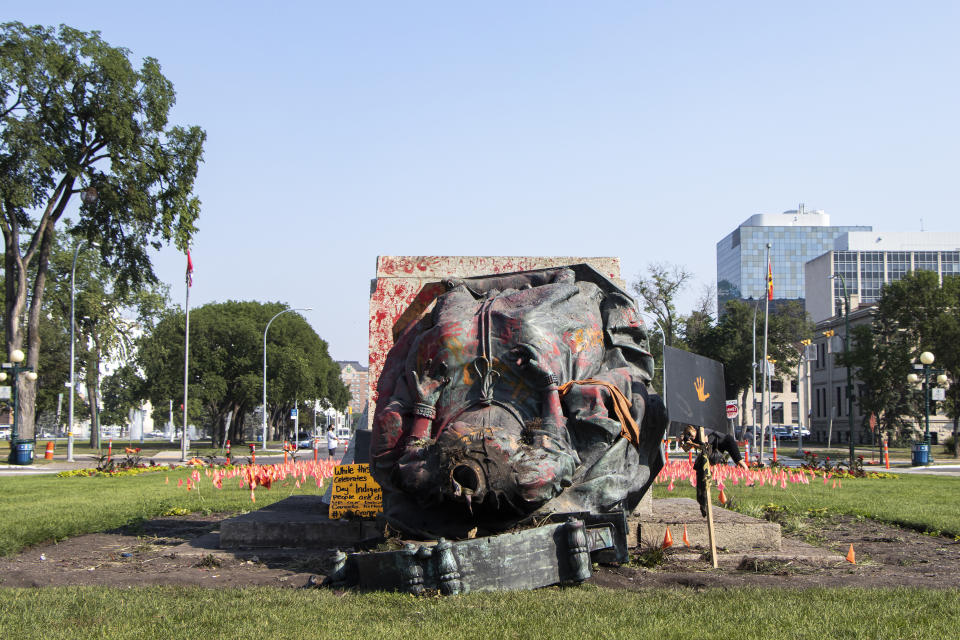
[734,531]
[297,522]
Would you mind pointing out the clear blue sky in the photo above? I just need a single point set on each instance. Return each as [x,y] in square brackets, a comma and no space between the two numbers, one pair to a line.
[645,130]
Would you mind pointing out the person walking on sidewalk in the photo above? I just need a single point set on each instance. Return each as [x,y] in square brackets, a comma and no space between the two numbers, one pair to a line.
[331,441]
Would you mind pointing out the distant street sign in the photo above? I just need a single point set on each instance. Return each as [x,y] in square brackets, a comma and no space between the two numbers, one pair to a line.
[5,393]
[293,413]
[733,410]
[938,394]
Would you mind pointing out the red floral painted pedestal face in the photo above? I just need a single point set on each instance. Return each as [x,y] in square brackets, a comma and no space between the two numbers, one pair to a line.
[499,404]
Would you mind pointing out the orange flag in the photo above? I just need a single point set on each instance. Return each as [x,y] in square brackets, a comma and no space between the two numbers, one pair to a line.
[667,540]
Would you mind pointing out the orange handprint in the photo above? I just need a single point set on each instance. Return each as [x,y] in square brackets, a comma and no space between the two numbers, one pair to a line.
[698,384]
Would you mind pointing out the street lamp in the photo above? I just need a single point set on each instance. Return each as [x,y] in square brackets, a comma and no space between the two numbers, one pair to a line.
[846,355]
[265,368]
[89,197]
[16,357]
[805,353]
[926,359]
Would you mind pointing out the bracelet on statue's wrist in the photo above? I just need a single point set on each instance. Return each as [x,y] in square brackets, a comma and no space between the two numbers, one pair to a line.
[424,410]
[551,383]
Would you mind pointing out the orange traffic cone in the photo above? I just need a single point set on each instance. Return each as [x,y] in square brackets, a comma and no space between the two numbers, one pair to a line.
[851,556]
[48,454]
[667,540]
[723,497]
[686,540]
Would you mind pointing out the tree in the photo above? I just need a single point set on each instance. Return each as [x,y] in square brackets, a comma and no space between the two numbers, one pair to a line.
[54,366]
[121,391]
[914,314]
[657,295]
[880,358]
[109,318]
[702,316]
[730,340]
[226,351]
[76,116]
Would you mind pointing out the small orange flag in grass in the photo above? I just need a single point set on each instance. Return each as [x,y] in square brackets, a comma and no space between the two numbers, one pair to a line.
[667,540]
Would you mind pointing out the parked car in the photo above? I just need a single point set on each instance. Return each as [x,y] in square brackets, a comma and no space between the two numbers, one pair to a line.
[307,442]
[783,432]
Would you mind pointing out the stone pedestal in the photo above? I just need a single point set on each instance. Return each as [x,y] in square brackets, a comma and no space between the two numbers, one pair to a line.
[734,531]
[296,522]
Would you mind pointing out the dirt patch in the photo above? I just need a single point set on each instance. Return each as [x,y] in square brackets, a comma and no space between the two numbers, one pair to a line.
[147,553]
[886,555]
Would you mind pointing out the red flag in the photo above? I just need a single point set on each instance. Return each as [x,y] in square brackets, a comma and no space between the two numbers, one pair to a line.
[189,270]
[769,280]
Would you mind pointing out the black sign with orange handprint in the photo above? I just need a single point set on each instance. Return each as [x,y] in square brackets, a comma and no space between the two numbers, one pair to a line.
[695,389]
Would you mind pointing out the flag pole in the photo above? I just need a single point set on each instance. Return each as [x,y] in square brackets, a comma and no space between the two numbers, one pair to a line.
[764,394]
[186,359]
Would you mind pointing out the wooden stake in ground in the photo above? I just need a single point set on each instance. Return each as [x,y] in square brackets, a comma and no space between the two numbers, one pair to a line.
[708,478]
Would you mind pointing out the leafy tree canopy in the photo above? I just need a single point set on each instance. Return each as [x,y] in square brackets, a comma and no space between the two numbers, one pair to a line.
[226,360]
[731,340]
[76,116]
[915,314]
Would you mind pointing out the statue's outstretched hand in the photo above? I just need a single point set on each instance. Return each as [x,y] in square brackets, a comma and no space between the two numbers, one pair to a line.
[428,387]
[526,358]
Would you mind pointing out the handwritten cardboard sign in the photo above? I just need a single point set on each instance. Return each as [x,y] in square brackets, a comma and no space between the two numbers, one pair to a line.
[355,491]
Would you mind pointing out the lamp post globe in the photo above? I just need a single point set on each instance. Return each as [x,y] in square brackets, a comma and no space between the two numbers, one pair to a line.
[913,378]
[32,376]
[942,379]
[16,356]
[926,358]
[3,376]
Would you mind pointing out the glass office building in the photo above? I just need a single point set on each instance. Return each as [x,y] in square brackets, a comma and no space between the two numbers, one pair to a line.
[795,237]
[868,261]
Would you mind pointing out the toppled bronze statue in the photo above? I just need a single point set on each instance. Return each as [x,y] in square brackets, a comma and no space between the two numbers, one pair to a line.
[517,397]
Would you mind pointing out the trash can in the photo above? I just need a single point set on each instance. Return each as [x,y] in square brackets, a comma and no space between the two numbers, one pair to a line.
[22,452]
[920,454]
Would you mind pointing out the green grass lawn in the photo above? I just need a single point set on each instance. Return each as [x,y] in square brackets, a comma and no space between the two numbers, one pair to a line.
[582,612]
[924,502]
[36,509]
[39,508]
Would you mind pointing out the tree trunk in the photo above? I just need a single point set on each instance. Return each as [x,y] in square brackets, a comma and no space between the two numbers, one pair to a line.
[220,415]
[93,385]
[956,433]
[93,392]
[236,424]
